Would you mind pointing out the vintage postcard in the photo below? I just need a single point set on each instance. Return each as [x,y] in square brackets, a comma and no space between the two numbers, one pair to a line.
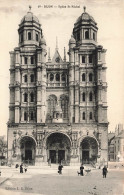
[62,91]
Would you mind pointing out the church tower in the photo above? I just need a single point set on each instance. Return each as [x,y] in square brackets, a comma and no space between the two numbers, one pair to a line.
[27,84]
[87,81]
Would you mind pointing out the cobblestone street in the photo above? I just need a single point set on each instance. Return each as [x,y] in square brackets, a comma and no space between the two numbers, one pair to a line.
[46,181]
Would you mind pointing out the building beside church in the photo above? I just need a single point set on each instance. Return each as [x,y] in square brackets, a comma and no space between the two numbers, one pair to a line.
[58,108]
[116,144]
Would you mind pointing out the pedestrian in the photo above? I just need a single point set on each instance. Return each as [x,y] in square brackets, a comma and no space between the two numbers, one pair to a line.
[21,168]
[60,169]
[81,170]
[104,171]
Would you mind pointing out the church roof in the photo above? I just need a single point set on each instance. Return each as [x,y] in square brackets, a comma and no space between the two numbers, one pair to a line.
[29,17]
[85,16]
[57,58]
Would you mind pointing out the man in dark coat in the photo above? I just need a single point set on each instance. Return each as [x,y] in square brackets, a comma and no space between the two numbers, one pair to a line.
[21,168]
[60,169]
[104,171]
[81,170]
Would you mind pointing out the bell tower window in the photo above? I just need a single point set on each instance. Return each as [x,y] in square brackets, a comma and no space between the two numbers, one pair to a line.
[36,37]
[25,116]
[83,59]
[57,77]
[29,35]
[90,58]
[94,37]
[83,77]
[25,79]
[90,116]
[32,59]
[87,34]
[90,77]
[83,116]
[32,97]
[83,97]
[32,115]
[32,78]
[51,77]
[21,38]
[25,97]
[78,36]
[63,77]
[25,60]
[90,97]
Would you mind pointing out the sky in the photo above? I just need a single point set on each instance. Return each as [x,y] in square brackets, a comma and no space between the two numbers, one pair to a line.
[58,22]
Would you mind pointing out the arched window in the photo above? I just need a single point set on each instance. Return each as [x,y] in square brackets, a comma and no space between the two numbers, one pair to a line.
[25,116]
[90,116]
[78,35]
[83,115]
[83,59]
[64,105]
[63,77]
[83,77]
[94,36]
[25,78]
[32,115]
[25,97]
[90,97]
[32,97]
[51,77]
[52,101]
[57,115]
[21,38]
[90,58]
[87,34]
[32,59]
[29,35]
[25,60]
[32,78]
[36,37]
[57,77]
[90,77]
[83,97]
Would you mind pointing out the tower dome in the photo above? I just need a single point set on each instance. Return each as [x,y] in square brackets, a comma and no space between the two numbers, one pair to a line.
[29,30]
[85,17]
[29,17]
[72,40]
[42,41]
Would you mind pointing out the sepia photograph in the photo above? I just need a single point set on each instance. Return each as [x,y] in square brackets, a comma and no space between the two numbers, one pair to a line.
[62,97]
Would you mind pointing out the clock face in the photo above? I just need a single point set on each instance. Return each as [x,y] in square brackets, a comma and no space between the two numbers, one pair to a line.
[57,59]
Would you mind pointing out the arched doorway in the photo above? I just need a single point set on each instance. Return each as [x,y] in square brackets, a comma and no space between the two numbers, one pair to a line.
[28,150]
[88,150]
[58,148]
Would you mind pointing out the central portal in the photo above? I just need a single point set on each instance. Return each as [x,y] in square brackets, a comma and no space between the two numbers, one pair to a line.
[58,148]
[56,156]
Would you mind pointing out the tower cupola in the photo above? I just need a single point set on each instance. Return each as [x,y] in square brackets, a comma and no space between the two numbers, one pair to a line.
[29,30]
[72,42]
[85,29]
[42,41]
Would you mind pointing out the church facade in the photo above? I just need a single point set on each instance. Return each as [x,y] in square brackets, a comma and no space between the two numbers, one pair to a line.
[58,108]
